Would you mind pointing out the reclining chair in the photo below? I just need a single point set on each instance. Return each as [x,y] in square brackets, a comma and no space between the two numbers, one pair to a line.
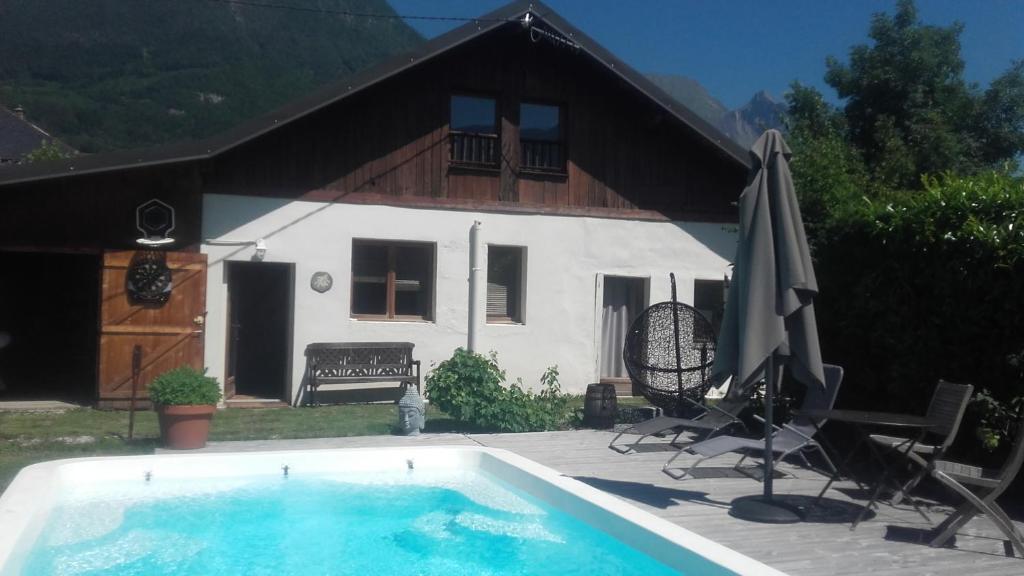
[795,437]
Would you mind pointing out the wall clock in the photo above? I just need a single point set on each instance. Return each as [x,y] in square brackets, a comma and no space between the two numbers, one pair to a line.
[321,282]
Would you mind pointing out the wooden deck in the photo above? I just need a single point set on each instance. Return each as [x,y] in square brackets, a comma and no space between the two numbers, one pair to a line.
[880,546]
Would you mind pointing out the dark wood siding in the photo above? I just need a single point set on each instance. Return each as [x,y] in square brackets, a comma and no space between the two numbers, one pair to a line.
[89,213]
[389,143]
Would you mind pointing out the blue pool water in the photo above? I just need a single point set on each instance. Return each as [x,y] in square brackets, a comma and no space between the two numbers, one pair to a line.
[466,523]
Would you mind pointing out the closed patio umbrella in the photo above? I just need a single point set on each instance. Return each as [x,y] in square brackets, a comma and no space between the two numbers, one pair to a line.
[769,316]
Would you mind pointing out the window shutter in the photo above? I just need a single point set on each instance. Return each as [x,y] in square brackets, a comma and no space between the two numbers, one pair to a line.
[497,299]
[504,277]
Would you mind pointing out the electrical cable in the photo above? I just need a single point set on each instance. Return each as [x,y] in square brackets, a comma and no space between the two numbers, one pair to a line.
[352,13]
[527,21]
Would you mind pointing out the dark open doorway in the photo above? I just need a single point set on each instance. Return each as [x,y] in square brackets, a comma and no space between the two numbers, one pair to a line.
[49,315]
[259,330]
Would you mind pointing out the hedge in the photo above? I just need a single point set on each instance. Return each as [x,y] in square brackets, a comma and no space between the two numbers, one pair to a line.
[918,286]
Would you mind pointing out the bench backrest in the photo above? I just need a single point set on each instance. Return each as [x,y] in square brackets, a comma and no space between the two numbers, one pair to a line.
[360,359]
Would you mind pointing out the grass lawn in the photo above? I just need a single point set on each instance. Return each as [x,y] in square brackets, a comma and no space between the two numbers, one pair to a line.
[30,437]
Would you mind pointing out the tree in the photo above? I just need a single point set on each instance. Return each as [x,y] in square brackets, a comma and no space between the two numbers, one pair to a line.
[828,172]
[1003,115]
[48,150]
[807,112]
[909,110]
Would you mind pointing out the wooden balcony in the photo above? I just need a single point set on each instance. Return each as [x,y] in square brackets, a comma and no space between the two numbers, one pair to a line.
[542,156]
[474,150]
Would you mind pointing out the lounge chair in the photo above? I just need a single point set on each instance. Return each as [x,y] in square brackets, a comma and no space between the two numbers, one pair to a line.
[716,418]
[795,437]
[987,485]
[945,410]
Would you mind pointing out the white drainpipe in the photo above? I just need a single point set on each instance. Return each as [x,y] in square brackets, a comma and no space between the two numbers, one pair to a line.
[474,285]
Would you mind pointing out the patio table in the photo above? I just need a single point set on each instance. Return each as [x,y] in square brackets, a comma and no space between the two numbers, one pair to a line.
[861,421]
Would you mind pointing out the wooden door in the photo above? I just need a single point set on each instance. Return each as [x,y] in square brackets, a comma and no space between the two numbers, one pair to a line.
[170,333]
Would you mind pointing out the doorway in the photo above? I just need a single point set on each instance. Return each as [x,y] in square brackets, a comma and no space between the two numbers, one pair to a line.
[260,296]
[624,299]
[49,313]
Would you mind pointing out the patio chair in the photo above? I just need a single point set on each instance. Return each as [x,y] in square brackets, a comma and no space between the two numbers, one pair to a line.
[945,411]
[795,437]
[980,487]
[715,419]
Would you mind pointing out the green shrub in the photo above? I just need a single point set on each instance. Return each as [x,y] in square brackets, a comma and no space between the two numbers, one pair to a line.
[918,286]
[471,388]
[184,386]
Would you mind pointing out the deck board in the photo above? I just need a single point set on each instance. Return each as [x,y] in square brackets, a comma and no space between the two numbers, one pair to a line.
[701,505]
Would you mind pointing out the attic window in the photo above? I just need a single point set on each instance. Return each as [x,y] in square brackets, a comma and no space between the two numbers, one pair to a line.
[542,144]
[473,129]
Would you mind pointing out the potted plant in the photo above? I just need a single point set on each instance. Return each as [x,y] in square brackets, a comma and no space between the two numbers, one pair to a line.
[185,400]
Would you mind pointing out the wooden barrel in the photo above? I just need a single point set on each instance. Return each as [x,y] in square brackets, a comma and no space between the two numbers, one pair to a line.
[600,406]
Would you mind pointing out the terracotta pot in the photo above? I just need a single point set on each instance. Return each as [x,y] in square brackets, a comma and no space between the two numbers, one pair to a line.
[185,427]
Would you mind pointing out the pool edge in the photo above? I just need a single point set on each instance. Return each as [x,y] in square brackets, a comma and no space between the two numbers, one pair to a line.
[19,518]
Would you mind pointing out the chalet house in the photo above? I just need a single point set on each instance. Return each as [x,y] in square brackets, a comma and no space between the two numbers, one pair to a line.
[349,216]
[19,137]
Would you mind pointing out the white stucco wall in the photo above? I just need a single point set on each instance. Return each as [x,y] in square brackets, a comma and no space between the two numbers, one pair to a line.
[565,258]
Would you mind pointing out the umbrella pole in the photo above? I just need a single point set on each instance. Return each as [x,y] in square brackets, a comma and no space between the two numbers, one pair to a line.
[772,376]
[769,419]
[765,508]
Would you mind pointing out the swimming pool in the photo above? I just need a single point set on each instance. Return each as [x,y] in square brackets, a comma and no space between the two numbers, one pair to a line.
[440,510]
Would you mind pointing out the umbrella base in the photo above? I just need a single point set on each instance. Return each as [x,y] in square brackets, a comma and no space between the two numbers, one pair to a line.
[765,510]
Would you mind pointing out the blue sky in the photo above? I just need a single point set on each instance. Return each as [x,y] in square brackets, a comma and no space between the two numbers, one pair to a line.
[737,47]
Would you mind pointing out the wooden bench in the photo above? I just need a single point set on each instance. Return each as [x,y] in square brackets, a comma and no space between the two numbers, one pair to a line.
[359,363]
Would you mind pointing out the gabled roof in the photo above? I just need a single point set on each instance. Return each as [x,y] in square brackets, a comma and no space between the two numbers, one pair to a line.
[18,136]
[509,15]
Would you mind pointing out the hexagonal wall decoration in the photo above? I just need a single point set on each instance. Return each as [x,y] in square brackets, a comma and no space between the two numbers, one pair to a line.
[155,219]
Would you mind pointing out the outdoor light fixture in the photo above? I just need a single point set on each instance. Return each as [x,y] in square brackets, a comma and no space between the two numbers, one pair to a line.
[155,220]
[261,249]
[260,246]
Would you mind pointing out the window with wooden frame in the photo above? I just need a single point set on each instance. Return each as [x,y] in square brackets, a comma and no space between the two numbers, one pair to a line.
[392,280]
[474,137]
[506,290]
[541,138]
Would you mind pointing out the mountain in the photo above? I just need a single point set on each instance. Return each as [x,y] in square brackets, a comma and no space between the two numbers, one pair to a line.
[114,74]
[743,124]
[692,94]
[746,124]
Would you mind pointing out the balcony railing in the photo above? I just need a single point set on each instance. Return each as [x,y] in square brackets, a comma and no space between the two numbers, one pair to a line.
[477,150]
[542,155]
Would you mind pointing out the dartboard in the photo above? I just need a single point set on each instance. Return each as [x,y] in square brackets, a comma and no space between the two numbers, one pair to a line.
[149,280]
